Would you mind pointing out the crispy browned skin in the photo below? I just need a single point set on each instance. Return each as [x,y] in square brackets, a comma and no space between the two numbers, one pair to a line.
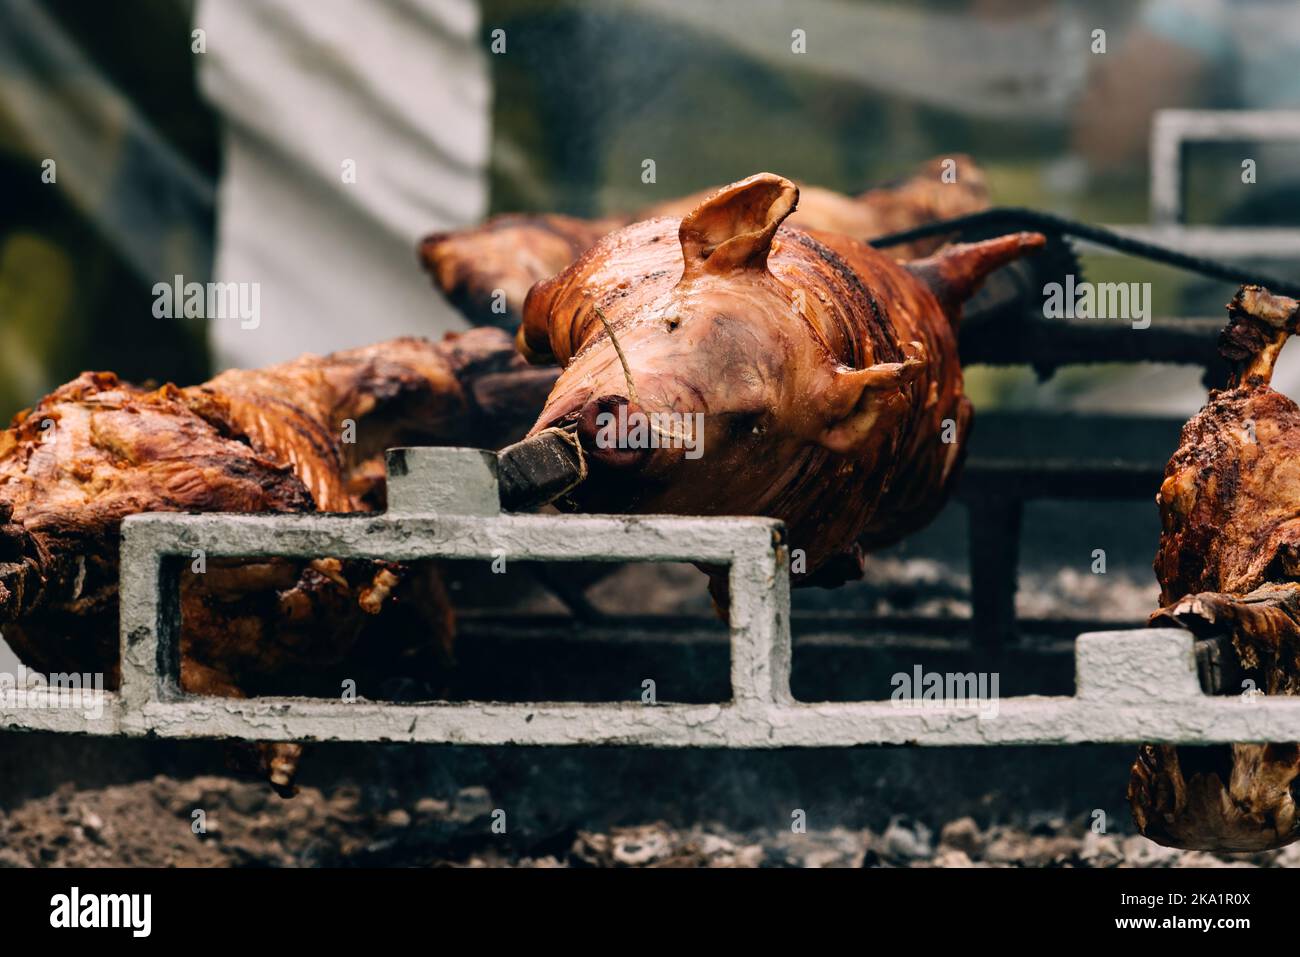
[824,369]
[487,271]
[272,440]
[512,252]
[921,198]
[1227,566]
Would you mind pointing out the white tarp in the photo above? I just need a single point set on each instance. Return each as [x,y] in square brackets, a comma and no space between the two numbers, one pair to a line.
[401,90]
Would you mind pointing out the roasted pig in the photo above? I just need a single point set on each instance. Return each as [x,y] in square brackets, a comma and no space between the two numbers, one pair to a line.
[727,364]
[303,436]
[1229,570]
[487,271]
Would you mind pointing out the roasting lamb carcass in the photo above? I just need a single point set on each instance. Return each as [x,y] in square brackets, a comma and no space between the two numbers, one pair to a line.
[824,373]
[491,267]
[273,440]
[1229,569]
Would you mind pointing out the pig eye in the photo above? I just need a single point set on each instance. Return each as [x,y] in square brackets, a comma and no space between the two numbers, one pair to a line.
[748,424]
[672,322]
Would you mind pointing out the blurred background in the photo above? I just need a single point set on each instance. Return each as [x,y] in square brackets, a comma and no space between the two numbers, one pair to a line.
[307,145]
[208,139]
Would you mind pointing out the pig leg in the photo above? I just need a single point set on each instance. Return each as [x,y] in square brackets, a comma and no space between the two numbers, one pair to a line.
[1237,797]
[319,614]
[275,762]
[1179,797]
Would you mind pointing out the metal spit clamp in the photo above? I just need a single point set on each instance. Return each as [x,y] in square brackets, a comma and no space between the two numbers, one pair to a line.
[459,481]
[442,481]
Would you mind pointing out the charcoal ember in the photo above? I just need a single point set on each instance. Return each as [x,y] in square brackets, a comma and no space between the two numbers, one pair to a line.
[427,807]
[951,857]
[660,845]
[471,804]
[1018,848]
[962,835]
[624,847]
[92,826]
[906,840]
[1101,850]
[398,818]
[1045,824]
[149,824]
[638,847]
[1140,852]
[836,847]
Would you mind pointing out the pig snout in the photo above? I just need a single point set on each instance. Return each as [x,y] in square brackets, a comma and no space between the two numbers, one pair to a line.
[603,430]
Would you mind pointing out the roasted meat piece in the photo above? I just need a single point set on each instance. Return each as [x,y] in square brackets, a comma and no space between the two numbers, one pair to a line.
[302,436]
[725,364]
[1229,570]
[487,271]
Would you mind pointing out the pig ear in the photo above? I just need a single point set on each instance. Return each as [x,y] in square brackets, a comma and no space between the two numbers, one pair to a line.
[864,402]
[733,228]
[533,338]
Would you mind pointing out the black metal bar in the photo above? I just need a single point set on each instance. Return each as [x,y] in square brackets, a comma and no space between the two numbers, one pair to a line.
[1014,217]
[1217,666]
[994,561]
[1054,635]
[983,480]
[992,338]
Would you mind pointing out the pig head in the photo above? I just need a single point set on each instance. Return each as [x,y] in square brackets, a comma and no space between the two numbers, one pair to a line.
[723,364]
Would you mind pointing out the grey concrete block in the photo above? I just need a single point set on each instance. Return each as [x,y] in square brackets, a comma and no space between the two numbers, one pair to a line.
[1132,685]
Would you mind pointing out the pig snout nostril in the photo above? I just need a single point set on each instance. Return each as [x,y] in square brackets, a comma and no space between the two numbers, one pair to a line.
[607,429]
